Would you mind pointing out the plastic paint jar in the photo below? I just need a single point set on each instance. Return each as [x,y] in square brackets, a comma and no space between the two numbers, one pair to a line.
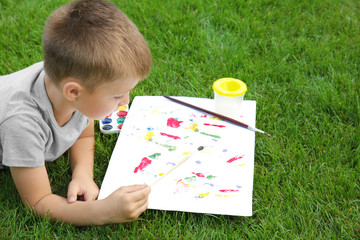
[229,94]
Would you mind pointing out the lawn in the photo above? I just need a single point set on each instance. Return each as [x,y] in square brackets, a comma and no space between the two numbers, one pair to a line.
[300,60]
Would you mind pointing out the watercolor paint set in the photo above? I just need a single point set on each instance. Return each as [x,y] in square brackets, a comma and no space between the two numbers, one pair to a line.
[114,122]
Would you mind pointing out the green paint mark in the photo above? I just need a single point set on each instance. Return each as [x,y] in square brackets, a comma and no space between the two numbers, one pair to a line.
[190,179]
[170,148]
[210,135]
[210,177]
[155,155]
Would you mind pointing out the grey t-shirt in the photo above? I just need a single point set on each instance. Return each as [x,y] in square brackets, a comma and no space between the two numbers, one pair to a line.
[29,133]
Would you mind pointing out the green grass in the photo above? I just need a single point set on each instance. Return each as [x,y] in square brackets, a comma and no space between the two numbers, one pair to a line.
[300,61]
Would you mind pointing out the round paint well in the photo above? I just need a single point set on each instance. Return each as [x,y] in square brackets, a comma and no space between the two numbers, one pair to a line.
[121,113]
[107,127]
[120,120]
[106,121]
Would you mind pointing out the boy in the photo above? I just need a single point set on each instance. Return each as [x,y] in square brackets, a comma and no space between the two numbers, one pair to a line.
[93,56]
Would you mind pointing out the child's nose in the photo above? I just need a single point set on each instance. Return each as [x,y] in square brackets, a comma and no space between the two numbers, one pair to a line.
[125,100]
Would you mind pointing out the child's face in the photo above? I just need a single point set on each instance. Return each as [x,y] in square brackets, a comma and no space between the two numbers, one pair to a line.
[105,99]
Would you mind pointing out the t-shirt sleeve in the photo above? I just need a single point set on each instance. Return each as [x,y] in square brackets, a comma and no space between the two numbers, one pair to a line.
[22,142]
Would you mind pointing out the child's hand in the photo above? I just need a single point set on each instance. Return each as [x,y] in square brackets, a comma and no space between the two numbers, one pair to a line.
[127,203]
[82,186]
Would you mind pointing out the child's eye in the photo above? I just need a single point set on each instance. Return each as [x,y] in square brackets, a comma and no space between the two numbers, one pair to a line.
[118,97]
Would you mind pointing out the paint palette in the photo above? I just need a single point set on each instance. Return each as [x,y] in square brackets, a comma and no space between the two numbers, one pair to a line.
[114,122]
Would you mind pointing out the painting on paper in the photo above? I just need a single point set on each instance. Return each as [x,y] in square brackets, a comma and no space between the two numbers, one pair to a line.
[159,133]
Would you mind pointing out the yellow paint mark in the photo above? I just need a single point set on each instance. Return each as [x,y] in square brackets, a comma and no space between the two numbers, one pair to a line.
[160,174]
[186,153]
[220,195]
[215,118]
[242,164]
[203,194]
[149,136]
[193,126]
[155,112]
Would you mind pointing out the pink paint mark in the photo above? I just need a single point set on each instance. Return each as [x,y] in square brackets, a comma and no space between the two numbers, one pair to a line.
[235,158]
[144,163]
[198,174]
[214,125]
[172,122]
[204,116]
[228,190]
[170,136]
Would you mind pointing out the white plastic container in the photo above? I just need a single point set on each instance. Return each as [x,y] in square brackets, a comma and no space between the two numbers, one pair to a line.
[229,95]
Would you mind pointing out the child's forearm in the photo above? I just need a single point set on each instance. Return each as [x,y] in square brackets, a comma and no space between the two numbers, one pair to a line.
[78,213]
[82,153]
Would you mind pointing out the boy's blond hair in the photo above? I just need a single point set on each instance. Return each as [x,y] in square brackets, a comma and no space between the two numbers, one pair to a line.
[92,40]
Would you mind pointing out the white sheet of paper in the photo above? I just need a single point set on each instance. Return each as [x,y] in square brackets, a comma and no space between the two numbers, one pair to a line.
[158,133]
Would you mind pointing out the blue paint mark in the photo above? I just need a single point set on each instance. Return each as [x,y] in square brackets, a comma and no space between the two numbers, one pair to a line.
[238,186]
[210,184]
[171,163]
[198,162]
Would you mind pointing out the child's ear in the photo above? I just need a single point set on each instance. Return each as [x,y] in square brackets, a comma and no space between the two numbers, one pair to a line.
[72,90]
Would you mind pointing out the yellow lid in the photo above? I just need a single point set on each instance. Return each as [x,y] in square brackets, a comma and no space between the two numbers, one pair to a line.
[229,87]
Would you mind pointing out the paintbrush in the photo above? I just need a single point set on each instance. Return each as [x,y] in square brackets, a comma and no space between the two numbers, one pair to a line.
[228,119]
[177,165]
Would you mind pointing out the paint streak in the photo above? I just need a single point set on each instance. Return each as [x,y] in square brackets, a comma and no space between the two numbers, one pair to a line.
[155,155]
[160,174]
[171,163]
[143,164]
[228,190]
[203,116]
[199,174]
[170,136]
[220,195]
[215,118]
[190,179]
[172,122]
[149,136]
[210,135]
[170,148]
[198,162]
[185,153]
[210,184]
[202,195]
[214,125]
[211,177]
[234,158]
[241,164]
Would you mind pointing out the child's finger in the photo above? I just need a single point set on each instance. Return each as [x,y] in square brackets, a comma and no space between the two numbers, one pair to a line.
[71,195]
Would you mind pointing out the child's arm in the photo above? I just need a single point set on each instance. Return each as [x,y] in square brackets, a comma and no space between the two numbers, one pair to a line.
[82,164]
[124,205]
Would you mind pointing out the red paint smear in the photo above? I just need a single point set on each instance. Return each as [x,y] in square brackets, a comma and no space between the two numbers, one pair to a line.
[170,136]
[172,122]
[214,125]
[204,116]
[122,113]
[144,163]
[199,174]
[228,190]
[234,158]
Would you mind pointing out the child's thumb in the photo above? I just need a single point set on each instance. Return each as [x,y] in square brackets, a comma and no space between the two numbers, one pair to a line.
[71,196]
